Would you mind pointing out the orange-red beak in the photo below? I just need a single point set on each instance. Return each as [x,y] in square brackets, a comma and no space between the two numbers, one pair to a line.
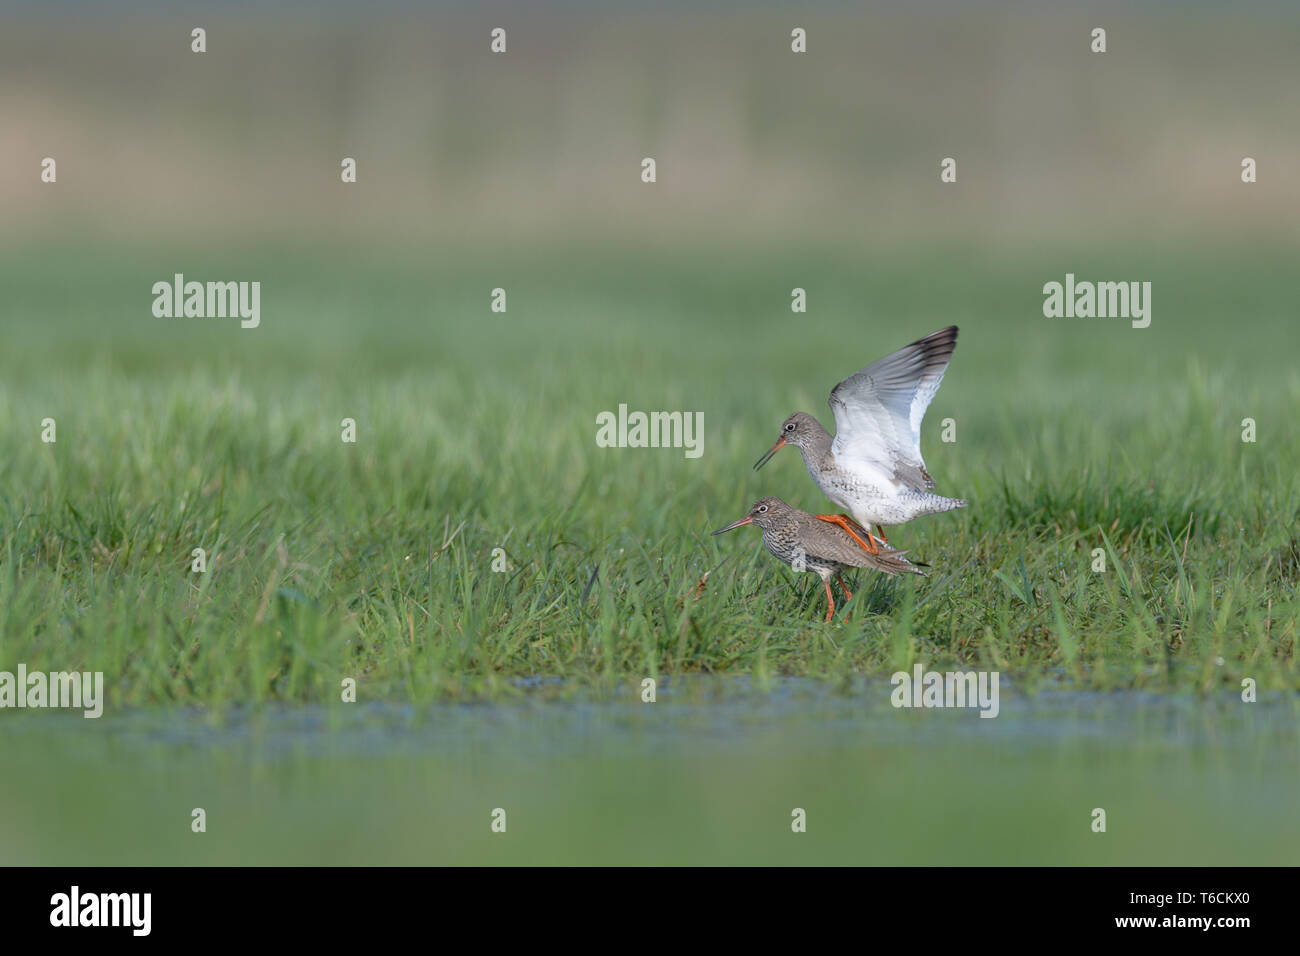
[748,519]
[780,443]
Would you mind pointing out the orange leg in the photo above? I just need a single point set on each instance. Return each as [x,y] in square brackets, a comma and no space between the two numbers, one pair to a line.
[848,595]
[852,527]
[880,533]
[830,602]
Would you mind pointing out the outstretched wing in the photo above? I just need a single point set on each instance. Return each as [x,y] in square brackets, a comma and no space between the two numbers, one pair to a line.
[878,410]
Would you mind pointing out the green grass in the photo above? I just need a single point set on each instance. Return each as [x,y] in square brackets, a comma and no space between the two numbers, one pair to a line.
[476,431]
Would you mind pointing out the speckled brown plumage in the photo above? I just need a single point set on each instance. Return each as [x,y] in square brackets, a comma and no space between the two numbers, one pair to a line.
[798,538]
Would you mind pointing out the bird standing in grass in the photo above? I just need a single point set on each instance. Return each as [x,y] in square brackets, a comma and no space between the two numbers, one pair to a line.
[872,466]
[805,543]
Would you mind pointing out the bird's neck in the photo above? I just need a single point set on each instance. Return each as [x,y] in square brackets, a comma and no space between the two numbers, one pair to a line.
[817,447]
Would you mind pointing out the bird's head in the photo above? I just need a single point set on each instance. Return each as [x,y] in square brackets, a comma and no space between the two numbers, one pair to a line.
[800,429]
[764,511]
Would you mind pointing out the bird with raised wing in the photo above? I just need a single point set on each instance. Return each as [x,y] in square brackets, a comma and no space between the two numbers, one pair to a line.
[872,466]
[806,544]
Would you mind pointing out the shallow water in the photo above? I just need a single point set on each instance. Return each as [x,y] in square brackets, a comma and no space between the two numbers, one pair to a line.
[709,773]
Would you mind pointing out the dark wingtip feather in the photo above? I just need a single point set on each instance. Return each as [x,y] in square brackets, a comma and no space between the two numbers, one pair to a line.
[938,346]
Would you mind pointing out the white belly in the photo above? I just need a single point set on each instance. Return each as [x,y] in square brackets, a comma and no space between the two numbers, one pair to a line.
[868,499]
[872,504]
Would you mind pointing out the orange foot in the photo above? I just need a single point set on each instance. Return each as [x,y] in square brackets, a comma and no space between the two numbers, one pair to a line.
[848,595]
[852,527]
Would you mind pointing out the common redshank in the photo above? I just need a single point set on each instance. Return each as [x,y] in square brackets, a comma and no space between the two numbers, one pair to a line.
[872,466]
[798,538]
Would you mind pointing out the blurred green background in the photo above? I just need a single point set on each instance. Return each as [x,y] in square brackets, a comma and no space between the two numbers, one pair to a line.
[709,774]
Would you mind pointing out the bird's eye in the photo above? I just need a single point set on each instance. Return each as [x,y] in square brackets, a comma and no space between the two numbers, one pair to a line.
[762,508]
[790,427]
